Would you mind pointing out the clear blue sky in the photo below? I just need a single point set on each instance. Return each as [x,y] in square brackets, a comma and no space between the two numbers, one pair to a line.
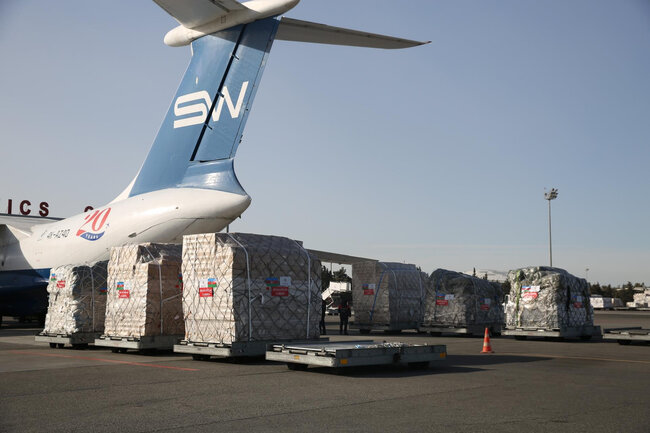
[435,155]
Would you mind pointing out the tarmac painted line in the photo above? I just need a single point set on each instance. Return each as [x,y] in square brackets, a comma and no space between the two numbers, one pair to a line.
[582,358]
[113,361]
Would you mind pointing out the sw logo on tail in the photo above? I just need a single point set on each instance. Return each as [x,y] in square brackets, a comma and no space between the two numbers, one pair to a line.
[203,107]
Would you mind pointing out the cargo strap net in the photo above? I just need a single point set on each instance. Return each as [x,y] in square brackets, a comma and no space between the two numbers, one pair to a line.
[245,287]
[459,300]
[547,298]
[77,299]
[387,293]
[144,291]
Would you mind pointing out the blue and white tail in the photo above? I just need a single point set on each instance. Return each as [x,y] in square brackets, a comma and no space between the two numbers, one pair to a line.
[198,139]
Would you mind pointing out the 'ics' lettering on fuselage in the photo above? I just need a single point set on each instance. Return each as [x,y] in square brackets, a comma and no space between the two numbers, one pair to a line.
[203,103]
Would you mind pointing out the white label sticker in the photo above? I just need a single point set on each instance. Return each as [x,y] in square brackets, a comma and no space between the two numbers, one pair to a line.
[487,301]
[449,297]
[371,286]
[285,281]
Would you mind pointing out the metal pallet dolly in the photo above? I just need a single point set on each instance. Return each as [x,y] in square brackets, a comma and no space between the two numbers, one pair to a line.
[79,340]
[244,349]
[144,344]
[365,328]
[582,332]
[626,336]
[344,354]
[472,330]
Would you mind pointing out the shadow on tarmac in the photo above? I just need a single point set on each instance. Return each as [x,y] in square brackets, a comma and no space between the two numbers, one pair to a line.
[492,359]
[18,332]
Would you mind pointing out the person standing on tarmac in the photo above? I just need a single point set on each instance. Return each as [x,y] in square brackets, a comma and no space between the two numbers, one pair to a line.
[323,331]
[344,315]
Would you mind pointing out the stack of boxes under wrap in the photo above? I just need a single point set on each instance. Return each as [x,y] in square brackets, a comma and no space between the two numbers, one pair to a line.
[547,298]
[641,300]
[459,300]
[246,287]
[144,291]
[77,299]
[387,294]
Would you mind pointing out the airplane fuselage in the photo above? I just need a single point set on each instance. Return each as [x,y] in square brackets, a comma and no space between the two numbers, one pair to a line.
[159,216]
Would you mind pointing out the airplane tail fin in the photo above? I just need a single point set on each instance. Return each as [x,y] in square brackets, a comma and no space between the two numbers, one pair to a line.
[199,136]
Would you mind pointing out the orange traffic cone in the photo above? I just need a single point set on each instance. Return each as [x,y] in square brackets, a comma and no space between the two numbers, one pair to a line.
[487,347]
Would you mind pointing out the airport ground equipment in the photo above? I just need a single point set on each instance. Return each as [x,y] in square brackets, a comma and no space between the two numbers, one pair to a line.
[76,305]
[469,330]
[387,296]
[243,288]
[234,350]
[457,303]
[345,354]
[586,332]
[143,309]
[548,302]
[627,336]
[77,340]
[142,344]
[365,328]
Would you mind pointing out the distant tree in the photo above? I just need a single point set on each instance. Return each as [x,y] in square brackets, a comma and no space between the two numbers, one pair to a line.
[325,278]
[506,287]
[341,276]
[474,272]
[595,289]
[485,276]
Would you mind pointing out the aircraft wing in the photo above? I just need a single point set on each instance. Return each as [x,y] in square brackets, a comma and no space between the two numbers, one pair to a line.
[194,13]
[342,259]
[13,227]
[304,31]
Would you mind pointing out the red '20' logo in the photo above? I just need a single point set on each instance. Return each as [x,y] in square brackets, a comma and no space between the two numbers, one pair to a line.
[94,222]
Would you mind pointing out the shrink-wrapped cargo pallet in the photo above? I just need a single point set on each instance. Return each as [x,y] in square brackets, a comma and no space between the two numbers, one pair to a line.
[246,287]
[387,294]
[144,291]
[641,300]
[547,298]
[77,299]
[459,300]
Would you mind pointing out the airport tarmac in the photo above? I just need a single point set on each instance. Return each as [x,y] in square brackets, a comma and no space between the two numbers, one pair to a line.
[531,386]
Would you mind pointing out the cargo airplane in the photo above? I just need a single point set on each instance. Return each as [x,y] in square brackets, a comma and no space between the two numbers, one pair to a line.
[187,183]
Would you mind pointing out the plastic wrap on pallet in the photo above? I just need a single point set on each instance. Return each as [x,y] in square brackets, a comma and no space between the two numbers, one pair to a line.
[601,302]
[547,298]
[641,300]
[77,299]
[245,287]
[387,294]
[144,291]
[460,300]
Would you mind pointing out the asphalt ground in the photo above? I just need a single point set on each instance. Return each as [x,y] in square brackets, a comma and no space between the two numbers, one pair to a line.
[531,386]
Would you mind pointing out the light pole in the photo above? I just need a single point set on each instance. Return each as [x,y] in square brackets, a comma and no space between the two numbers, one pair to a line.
[551,195]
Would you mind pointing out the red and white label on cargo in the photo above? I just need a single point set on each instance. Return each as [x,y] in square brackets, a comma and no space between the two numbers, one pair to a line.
[124,294]
[443,299]
[278,286]
[206,292]
[368,289]
[60,284]
[485,304]
[577,302]
[530,292]
[279,291]
[206,287]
